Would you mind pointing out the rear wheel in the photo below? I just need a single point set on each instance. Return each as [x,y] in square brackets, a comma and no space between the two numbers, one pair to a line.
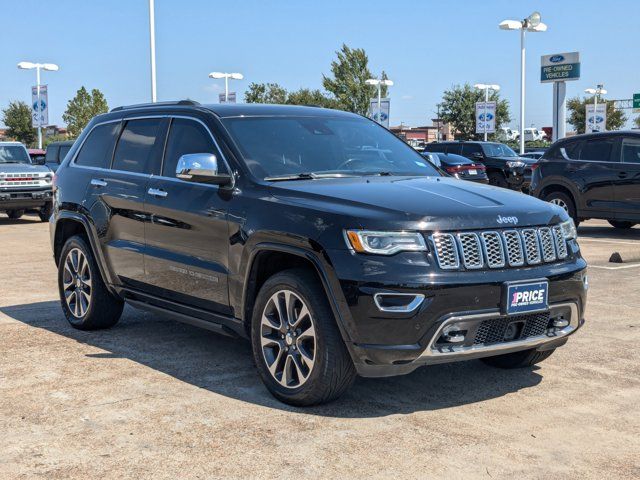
[620,224]
[565,202]
[497,179]
[526,358]
[297,346]
[15,214]
[85,300]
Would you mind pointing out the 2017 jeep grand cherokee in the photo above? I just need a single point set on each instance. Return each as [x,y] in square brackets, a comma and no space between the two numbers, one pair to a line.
[329,243]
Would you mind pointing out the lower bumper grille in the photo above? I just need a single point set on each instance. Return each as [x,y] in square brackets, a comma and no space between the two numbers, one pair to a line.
[517,327]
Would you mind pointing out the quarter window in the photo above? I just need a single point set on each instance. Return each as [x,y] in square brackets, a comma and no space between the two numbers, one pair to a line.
[187,136]
[51,155]
[136,150]
[631,150]
[98,147]
[63,152]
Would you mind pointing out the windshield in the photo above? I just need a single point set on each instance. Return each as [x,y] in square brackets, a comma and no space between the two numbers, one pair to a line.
[290,146]
[498,150]
[14,154]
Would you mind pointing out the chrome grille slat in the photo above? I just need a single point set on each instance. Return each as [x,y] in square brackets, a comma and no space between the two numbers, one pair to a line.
[493,249]
[500,248]
[446,251]
[513,243]
[471,250]
[546,242]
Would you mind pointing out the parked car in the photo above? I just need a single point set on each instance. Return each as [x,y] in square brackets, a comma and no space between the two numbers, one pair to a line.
[317,234]
[23,185]
[36,155]
[533,135]
[507,134]
[533,155]
[458,166]
[56,151]
[504,167]
[593,176]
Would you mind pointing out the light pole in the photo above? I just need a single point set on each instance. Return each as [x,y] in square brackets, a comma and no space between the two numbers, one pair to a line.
[438,105]
[596,92]
[226,76]
[530,24]
[379,83]
[51,67]
[152,47]
[486,88]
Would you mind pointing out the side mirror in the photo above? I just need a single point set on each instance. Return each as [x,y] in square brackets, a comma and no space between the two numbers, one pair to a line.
[202,168]
[39,161]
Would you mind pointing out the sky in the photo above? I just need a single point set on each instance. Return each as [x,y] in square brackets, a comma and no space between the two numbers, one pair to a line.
[425,47]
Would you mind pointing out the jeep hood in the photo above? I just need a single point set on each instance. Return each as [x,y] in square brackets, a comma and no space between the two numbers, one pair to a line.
[422,203]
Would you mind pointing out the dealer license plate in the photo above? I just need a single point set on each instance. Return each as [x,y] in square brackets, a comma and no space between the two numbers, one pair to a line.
[527,297]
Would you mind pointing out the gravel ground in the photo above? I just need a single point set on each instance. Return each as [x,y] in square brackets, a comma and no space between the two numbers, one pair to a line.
[155,398]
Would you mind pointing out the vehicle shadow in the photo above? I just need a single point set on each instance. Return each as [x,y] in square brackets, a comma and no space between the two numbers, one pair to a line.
[225,366]
[608,233]
[26,219]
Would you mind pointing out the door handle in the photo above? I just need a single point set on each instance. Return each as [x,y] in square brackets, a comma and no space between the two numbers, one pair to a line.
[622,174]
[156,192]
[98,182]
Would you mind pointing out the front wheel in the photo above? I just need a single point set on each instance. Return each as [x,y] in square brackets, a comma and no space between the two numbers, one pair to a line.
[86,302]
[297,347]
[497,179]
[45,212]
[621,224]
[15,214]
[523,359]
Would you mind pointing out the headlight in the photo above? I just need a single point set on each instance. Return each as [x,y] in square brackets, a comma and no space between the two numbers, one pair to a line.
[569,230]
[385,243]
[515,164]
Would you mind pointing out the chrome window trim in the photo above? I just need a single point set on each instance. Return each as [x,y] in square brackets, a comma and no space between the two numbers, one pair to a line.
[72,162]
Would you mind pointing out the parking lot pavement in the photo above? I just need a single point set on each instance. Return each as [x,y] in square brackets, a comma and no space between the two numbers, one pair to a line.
[155,398]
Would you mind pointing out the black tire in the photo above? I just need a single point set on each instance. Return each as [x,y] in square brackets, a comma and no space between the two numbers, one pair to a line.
[15,214]
[497,179]
[45,212]
[622,225]
[523,359]
[333,371]
[566,202]
[104,309]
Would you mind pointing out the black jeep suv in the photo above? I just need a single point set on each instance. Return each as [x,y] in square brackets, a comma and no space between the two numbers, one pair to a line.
[318,235]
[593,176]
[504,167]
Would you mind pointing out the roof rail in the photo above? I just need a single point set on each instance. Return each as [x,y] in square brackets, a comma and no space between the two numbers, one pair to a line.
[142,105]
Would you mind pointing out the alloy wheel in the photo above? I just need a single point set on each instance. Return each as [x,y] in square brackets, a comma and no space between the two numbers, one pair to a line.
[288,339]
[559,202]
[76,282]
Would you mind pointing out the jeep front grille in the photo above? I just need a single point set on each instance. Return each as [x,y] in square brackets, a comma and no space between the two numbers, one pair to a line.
[499,249]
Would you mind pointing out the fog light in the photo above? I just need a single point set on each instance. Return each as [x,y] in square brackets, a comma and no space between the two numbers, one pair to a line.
[453,334]
[560,322]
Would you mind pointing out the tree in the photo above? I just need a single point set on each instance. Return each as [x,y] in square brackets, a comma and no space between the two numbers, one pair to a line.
[577,114]
[636,121]
[458,108]
[17,117]
[350,72]
[82,108]
[306,96]
[265,93]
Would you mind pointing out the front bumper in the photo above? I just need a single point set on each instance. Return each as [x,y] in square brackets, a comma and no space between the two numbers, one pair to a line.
[24,199]
[394,342]
[519,178]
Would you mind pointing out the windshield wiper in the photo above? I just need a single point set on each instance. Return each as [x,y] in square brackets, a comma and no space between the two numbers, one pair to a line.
[307,176]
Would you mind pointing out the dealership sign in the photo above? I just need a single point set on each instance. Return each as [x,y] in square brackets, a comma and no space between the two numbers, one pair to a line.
[39,107]
[381,117]
[560,67]
[636,103]
[596,121]
[485,117]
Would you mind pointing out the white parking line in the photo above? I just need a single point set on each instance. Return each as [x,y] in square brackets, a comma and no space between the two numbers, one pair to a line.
[621,242]
[615,268]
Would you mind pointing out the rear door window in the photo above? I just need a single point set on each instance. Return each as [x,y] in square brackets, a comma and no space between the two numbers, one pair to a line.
[631,150]
[138,149]
[597,149]
[97,149]
[468,149]
[454,148]
[51,155]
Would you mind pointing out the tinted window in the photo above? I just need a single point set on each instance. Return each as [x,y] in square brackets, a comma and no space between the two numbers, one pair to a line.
[284,146]
[436,147]
[468,149]
[187,136]
[597,149]
[565,151]
[498,150]
[454,148]
[97,149]
[135,151]
[51,156]
[631,150]
[63,152]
